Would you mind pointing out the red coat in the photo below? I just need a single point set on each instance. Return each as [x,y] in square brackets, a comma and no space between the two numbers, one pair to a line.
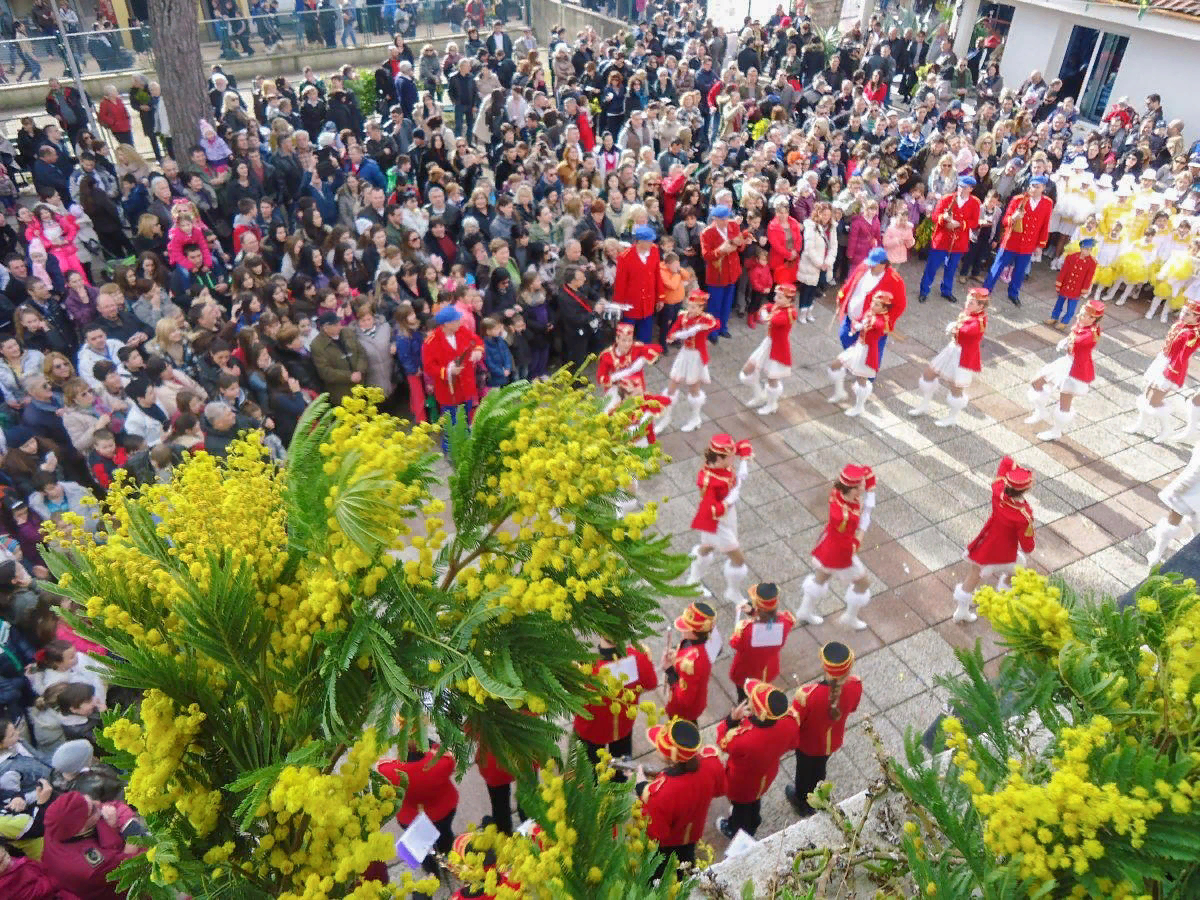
[752,755]
[890,281]
[587,137]
[756,662]
[1082,343]
[839,542]
[1075,277]
[27,879]
[677,805]
[638,284]
[779,331]
[715,484]
[1009,528]
[81,864]
[969,338]
[437,353]
[1182,340]
[699,340]
[689,693]
[598,724]
[782,261]
[609,362]
[490,770]
[967,215]
[113,115]
[1035,224]
[720,270]
[431,786]
[820,733]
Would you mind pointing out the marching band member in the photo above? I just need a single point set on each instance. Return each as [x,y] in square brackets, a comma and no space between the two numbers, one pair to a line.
[638,282]
[690,368]
[772,359]
[1026,229]
[836,554]
[754,737]
[862,358]
[597,725]
[430,789]
[716,516]
[625,359]
[498,781]
[1068,376]
[464,844]
[688,667]
[954,218]
[873,276]
[721,246]
[448,356]
[1167,373]
[1182,499]
[759,660]
[1004,538]
[956,364]
[821,709]
[652,410]
[1073,282]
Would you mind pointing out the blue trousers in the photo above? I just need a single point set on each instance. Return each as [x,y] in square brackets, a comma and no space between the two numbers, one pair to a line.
[720,305]
[643,329]
[1020,264]
[848,337]
[937,259]
[1070,303]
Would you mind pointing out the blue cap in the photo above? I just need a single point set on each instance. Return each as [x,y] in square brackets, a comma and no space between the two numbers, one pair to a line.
[720,212]
[1039,179]
[877,257]
[643,233]
[967,181]
[1087,243]
[446,315]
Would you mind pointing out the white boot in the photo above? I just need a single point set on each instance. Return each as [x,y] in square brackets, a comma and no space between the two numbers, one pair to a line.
[1056,264]
[1155,303]
[1164,533]
[698,567]
[1192,430]
[695,403]
[954,405]
[1062,421]
[1040,401]
[962,609]
[664,418]
[812,593]
[862,391]
[758,397]
[1129,288]
[1161,423]
[855,600]
[735,580]
[927,389]
[772,404]
[1143,416]
[837,377]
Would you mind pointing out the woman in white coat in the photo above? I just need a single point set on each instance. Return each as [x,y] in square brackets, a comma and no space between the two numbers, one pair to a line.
[1182,500]
[817,258]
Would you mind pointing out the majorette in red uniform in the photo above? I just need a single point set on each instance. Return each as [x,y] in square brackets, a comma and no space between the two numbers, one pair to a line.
[1067,377]
[1006,536]
[691,363]
[754,737]
[873,276]
[687,666]
[448,356]
[956,364]
[772,359]
[624,360]
[861,359]
[598,726]
[716,516]
[638,282]
[821,709]
[676,801]
[431,790]
[955,217]
[1167,372]
[836,554]
[652,410]
[756,652]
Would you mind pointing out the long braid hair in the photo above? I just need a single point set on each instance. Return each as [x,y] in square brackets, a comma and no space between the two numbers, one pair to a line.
[835,696]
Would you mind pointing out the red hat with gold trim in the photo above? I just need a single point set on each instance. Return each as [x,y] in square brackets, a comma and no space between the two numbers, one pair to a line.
[979,293]
[1095,306]
[697,296]
[678,740]
[624,328]
[868,478]
[786,288]
[724,443]
[886,296]
[699,616]
[1018,478]
[766,700]
[837,659]
[853,475]
[462,846]
[765,596]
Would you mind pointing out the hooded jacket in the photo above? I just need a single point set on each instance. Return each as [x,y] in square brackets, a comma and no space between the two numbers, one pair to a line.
[81,863]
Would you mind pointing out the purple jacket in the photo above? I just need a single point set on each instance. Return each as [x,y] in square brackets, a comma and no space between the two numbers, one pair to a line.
[82,309]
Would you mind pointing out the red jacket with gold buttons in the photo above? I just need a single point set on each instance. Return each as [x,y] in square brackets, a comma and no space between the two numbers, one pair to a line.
[688,676]
[598,724]
[752,753]
[820,733]
[676,805]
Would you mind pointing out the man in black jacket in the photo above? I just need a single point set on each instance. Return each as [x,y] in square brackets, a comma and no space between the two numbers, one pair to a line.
[343,107]
[464,94]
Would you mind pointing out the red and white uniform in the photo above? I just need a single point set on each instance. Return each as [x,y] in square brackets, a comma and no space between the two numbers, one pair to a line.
[713,516]
[598,724]
[861,358]
[651,407]
[431,788]
[1169,369]
[1073,372]
[858,293]
[773,356]
[820,733]
[756,662]
[1008,530]
[638,282]
[1035,224]
[965,213]
[959,360]
[752,754]
[439,351]
[720,270]
[783,262]
[691,363]
[688,676]
[676,805]
[837,551]
[612,366]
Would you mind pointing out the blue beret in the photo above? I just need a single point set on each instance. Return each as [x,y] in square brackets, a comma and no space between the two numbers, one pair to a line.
[446,315]
[1039,179]
[643,233]
[720,212]
[967,181]
[1087,243]
[877,256]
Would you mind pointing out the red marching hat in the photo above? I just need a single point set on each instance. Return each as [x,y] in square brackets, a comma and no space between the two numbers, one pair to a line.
[764,596]
[678,740]
[837,659]
[724,443]
[1018,479]
[766,701]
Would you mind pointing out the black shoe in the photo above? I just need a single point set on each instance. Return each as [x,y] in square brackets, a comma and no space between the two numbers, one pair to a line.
[950,297]
[724,332]
[801,807]
[922,298]
[1016,301]
[725,828]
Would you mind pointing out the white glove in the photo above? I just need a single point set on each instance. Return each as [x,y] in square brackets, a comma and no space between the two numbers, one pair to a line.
[868,505]
[952,328]
[1022,559]
[686,333]
[1036,257]
[1062,345]
[622,374]
[732,497]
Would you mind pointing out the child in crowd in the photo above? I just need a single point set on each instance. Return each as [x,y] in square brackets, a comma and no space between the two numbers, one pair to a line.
[522,353]
[407,339]
[187,230]
[497,357]
[758,274]
[105,458]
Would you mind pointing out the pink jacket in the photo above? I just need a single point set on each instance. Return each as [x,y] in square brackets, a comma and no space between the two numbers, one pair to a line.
[177,239]
[896,241]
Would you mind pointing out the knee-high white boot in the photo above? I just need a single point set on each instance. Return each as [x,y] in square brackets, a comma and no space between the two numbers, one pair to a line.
[1040,401]
[927,389]
[954,405]
[772,404]
[812,593]
[1061,422]
[664,418]
[1192,430]
[837,377]
[862,391]
[695,403]
[1161,423]
[855,600]
[698,567]
[735,580]
[754,381]
[1130,289]
[1155,302]
[1164,533]
[962,608]
[1143,416]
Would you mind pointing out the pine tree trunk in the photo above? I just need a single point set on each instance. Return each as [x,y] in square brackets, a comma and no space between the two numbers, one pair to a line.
[175,34]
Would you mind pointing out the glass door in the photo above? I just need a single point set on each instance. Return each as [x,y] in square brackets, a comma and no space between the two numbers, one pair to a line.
[1077,60]
[1104,73]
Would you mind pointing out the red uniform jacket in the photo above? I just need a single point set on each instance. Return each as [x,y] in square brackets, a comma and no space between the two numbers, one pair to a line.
[871,329]
[652,406]
[715,484]
[756,662]
[437,353]
[1083,342]
[598,724]
[1182,340]
[820,733]
[752,755]
[1075,277]
[967,216]
[782,261]
[430,785]
[677,805]
[969,337]
[720,270]
[779,330]
[609,362]
[638,284]
[699,340]
[689,693]
[890,282]
[1010,527]
[839,542]
[493,774]
[1035,224]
